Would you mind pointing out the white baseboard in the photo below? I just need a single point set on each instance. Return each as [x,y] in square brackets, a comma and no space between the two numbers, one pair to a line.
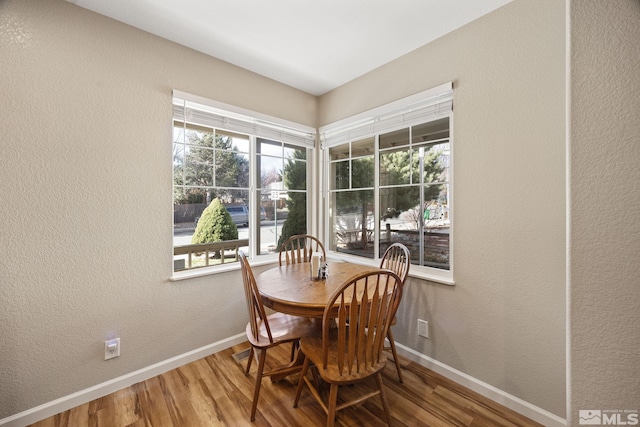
[522,407]
[65,403]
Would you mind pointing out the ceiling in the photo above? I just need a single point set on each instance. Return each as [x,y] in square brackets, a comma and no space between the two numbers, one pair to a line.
[312,45]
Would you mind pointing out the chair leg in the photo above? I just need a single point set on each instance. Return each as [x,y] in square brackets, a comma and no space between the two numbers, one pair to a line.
[333,401]
[395,354]
[303,372]
[383,398]
[316,378]
[246,371]
[262,357]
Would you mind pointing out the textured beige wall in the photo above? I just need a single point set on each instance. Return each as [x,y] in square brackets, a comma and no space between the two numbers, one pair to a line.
[604,206]
[86,250]
[504,320]
[85,233]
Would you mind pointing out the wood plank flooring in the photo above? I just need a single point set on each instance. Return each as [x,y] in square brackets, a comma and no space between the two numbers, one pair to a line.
[214,391]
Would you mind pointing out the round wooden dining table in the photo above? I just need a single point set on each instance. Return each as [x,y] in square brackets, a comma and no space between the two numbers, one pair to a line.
[289,288]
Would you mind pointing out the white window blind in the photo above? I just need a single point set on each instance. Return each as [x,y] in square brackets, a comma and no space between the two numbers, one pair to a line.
[415,109]
[200,111]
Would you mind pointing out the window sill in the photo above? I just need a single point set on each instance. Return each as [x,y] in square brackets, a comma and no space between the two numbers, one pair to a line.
[423,273]
[430,277]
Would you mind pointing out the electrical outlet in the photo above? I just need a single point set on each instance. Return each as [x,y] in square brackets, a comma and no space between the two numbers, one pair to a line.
[111,348]
[423,328]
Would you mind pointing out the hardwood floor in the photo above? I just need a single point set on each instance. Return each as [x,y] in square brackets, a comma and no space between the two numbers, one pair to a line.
[215,392]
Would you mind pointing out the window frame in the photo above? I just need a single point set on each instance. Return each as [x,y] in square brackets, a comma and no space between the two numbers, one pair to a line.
[425,107]
[219,117]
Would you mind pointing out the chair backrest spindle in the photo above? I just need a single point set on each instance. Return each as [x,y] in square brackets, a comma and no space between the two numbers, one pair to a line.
[397,258]
[299,248]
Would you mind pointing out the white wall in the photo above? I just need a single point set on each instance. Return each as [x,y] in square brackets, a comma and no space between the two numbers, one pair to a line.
[604,206]
[86,212]
[504,320]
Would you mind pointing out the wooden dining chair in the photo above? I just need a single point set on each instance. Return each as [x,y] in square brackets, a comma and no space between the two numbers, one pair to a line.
[298,248]
[354,325]
[264,332]
[397,259]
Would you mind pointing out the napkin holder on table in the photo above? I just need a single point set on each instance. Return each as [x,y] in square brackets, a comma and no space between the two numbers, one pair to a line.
[316,264]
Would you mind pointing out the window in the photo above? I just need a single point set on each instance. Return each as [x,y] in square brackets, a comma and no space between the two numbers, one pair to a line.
[282,191]
[414,192]
[351,201]
[239,183]
[389,180]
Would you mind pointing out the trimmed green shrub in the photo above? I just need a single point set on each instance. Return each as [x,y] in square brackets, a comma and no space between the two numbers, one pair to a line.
[214,225]
[296,222]
[295,177]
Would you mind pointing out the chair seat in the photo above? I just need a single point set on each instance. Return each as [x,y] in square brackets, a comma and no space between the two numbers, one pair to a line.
[283,328]
[311,346]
